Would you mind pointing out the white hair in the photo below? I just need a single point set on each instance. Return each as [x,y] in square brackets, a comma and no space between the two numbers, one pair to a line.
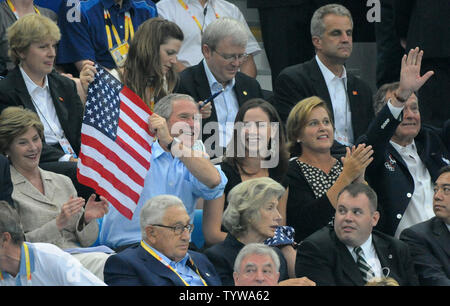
[154,210]
[256,249]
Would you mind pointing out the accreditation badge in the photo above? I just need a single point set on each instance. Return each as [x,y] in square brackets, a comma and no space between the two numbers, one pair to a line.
[119,54]
[67,148]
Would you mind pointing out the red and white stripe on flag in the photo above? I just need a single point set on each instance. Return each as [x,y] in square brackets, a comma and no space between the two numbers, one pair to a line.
[115,165]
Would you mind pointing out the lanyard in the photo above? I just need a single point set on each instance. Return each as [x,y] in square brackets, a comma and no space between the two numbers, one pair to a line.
[129,30]
[13,9]
[184,5]
[45,118]
[169,266]
[27,263]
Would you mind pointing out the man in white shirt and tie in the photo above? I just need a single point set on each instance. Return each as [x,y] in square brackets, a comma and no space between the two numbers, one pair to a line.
[351,253]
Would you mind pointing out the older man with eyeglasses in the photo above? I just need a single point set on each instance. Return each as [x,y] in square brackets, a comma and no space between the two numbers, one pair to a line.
[223,47]
[162,258]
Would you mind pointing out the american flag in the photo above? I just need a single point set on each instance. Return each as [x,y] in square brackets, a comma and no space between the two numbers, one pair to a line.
[115,142]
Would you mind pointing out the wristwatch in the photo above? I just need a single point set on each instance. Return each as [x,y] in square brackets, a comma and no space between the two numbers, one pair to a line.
[175,141]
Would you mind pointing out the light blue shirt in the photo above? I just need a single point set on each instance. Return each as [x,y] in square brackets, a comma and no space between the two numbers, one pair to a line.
[188,275]
[167,175]
[50,266]
[226,105]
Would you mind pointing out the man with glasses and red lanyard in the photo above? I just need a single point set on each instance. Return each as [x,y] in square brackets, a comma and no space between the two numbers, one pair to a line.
[101,31]
[162,258]
[223,47]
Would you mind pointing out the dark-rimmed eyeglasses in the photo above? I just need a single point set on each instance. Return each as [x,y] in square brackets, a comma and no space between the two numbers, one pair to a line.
[179,228]
[232,57]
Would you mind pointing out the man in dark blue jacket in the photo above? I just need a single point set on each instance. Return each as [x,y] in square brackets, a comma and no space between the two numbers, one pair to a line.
[407,154]
[162,258]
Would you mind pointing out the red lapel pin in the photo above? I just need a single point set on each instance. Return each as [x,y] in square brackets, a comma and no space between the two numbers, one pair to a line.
[355,93]
[61,99]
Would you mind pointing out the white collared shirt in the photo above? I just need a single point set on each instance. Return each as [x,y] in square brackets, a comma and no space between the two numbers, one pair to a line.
[395,111]
[46,111]
[190,53]
[337,88]
[369,254]
[42,101]
[226,105]
[420,207]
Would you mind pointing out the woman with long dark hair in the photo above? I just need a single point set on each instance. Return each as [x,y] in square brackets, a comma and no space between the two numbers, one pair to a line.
[257,149]
[149,69]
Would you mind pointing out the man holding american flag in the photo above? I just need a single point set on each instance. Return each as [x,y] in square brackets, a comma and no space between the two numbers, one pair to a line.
[175,169]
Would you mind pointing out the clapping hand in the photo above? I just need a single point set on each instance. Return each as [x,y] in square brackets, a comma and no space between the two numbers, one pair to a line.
[356,161]
[72,207]
[95,209]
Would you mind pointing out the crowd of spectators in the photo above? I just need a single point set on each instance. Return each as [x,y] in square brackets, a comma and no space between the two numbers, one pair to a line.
[317,183]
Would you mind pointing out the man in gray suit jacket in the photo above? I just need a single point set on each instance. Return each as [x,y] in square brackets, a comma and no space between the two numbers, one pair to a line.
[429,241]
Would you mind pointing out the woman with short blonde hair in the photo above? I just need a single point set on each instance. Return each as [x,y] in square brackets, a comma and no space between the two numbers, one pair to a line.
[315,176]
[31,29]
[34,84]
[298,118]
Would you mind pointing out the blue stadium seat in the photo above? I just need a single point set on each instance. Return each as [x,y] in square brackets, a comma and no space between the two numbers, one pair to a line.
[97,242]
[197,234]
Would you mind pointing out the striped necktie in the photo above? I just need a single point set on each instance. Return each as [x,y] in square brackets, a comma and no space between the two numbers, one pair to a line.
[365,269]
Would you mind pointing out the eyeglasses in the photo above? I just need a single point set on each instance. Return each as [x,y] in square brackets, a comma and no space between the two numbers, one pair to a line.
[232,57]
[445,189]
[178,229]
